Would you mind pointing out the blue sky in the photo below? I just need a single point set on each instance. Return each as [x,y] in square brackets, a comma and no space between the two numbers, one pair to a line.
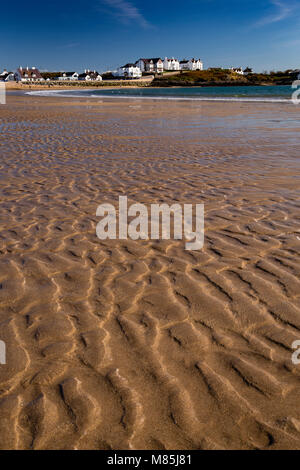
[103,34]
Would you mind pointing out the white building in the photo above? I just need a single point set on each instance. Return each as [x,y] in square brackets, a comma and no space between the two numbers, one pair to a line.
[70,76]
[129,71]
[154,65]
[238,70]
[192,64]
[171,64]
[28,74]
[89,75]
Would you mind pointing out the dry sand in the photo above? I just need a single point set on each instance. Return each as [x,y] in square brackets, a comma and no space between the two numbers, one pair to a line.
[134,345]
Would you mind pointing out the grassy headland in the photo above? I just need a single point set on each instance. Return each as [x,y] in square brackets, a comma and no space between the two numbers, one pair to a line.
[224,77]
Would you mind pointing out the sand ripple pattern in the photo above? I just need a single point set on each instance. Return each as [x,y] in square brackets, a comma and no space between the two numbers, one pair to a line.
[133,345]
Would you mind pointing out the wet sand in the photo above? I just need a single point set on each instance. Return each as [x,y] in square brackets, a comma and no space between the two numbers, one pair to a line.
[141,344]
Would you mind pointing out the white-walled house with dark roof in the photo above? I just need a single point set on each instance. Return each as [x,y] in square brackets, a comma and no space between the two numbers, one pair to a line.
[28,74]
[238,70]
[191,64]
[68,76]
[171,64]
[129,71]
[90,75]
[153,65]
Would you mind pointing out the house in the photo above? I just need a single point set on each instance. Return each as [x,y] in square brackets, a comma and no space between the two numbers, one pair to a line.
[70,76]
[155,65]
[184,64]
[248,71]
[238,70]
[171,64]
[129,71]
[89,75]
[6,76]
[27,74]
[192,64]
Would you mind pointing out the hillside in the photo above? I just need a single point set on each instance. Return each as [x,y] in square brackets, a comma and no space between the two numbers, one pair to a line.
[223,77]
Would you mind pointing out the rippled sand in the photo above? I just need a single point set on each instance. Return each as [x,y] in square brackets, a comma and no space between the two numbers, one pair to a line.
[133,345]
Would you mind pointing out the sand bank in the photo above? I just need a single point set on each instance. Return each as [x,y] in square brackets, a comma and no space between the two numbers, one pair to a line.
[133,345]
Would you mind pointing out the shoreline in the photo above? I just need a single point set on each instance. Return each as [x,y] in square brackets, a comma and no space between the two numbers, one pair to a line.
[155,94]
[127,84]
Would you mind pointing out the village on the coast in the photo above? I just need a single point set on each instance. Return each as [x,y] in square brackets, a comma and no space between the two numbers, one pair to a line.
[132,70]
[149,71]
[142,68]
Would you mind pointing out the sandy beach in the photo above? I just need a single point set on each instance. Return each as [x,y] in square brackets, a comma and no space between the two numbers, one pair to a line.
[75,85]
[141,344]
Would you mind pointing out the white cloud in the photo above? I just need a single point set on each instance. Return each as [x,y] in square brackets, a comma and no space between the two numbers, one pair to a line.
[281,11]
[127,12]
